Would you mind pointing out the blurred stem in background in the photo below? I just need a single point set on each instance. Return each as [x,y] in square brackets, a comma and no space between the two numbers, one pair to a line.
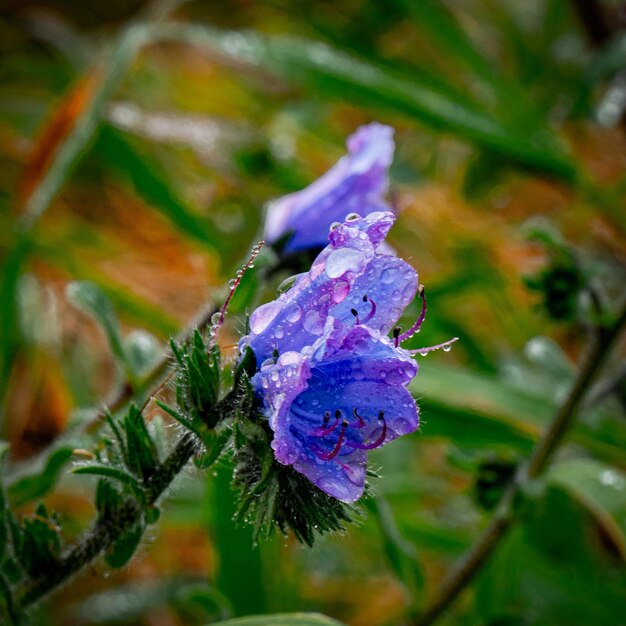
[506,514]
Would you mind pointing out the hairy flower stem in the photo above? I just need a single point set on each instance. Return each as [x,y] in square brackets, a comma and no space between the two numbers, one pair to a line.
[107,530]
[470,564]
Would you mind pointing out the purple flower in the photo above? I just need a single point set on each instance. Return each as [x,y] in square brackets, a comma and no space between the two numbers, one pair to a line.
[357,182]
[333,385]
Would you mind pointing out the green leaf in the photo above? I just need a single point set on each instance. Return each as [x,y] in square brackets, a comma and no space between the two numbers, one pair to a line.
[108,471]
[123,549]
[37,485]
[434,19]
[320,67]
[88,297]
[110,70]
[179,417]
[142,351]
[153,513]
[553,567]
[601,489]
[151,184]
[142,453]
[240,564]
[108,498]
[246,365]
[131,601]
[6,592]
[197,380]
[283,619]
[37,542]
[135,308]
[10,336]
[215,443]
[489,412]
[401,554]
[3,531]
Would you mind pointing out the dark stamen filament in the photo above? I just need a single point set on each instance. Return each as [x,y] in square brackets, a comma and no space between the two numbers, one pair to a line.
[372,312]
[326,430]
[356,315]
[416,327]
[362,423]
[396,334]
[327,456]
[379,440]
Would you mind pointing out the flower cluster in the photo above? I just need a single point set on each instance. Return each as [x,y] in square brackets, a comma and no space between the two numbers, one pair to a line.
[332,383]
[357,182]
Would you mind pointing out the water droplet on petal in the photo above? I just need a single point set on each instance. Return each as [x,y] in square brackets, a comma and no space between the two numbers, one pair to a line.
[262,317]
[352,216]
[343,260]
[313,323]
[388,276]
[340,291]
[293,312]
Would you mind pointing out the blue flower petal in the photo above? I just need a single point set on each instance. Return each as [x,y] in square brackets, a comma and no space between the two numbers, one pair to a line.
[356,183]
[346,270]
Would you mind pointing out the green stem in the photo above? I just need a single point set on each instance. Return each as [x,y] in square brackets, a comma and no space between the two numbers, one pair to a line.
[107,530]
[470,564]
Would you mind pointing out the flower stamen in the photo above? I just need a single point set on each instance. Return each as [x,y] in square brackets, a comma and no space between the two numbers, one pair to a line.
[356,315]
[446,346]
[378,441]
[372,312]
[326,430]
[327,456]
[420,320]
[362,423]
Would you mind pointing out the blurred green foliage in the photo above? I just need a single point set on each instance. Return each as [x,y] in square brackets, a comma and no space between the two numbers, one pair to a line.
[138,144]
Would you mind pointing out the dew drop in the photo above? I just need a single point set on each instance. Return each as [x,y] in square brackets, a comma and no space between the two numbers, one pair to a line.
[215,318]
[293,312]
[313,323]
[279,332]
[447,348]
[352,216]
[388,276]
[343,260]
[340,291]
